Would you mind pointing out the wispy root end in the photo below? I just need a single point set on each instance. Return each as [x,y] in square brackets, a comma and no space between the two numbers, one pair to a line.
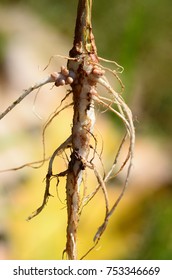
[117,105]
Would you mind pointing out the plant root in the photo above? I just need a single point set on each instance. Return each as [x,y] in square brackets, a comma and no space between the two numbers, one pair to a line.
[115,104]
[83,74]
[50,175]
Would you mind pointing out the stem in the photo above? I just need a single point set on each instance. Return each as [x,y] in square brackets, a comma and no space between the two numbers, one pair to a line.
[83,88]
[83,39]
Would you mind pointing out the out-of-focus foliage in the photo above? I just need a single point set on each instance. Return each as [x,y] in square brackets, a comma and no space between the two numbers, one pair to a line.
[137,34]
[156,240]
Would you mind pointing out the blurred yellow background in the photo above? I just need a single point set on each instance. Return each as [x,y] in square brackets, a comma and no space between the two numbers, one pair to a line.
[136,34]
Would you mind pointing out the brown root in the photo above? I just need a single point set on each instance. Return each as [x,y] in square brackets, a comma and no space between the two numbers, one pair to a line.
[50,175]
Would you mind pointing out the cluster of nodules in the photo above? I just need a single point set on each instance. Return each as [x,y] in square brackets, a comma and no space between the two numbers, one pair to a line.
[97,71]
[64,77]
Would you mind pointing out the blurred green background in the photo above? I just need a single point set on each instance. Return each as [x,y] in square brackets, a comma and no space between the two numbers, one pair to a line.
[136,34]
